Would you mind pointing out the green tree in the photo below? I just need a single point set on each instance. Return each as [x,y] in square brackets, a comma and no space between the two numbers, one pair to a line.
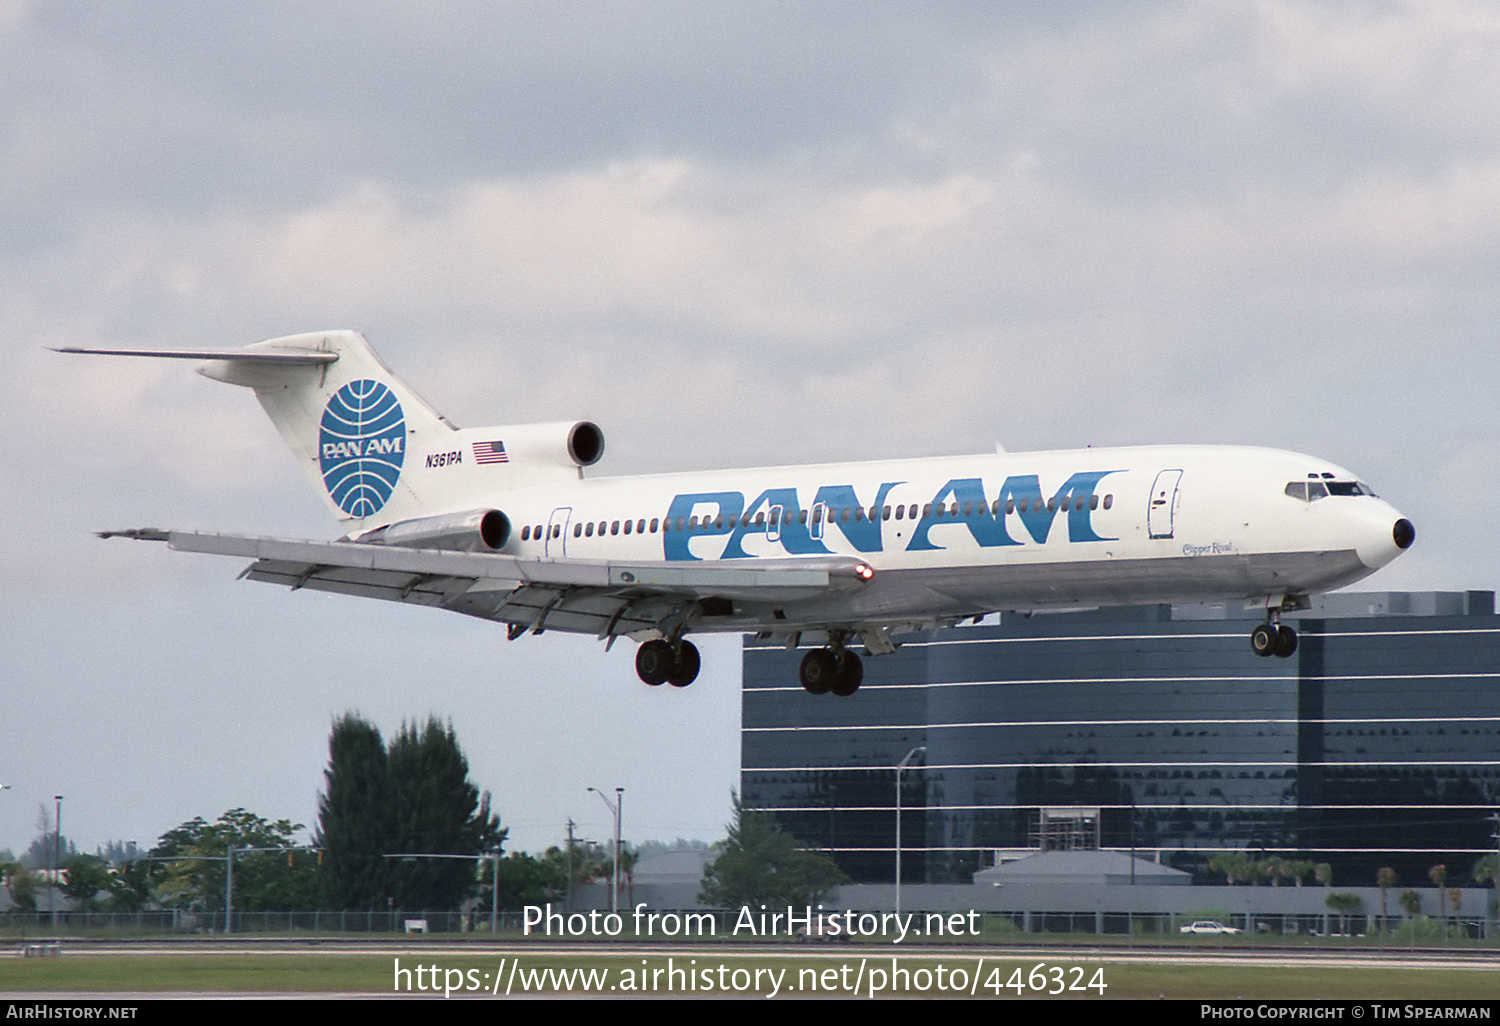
[1438,874]
[1487,871]
[44,847]
[761,863]
[21,883]
[411,796]
[1411,903]
[629,858]
[1385,879]
[436,810]
[132,889]
[1273,869]
[1344,903]
[87,877]
[524,880]
[1235,866]
[356,820]
[191,865]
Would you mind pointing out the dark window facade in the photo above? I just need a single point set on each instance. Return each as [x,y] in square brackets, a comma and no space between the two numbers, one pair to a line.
[1377,743]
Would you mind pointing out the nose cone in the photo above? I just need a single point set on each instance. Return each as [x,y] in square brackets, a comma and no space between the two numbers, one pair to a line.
[1383,534]
[1403,534]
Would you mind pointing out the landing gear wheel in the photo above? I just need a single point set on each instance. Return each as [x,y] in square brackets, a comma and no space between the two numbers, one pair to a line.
[687,664]
[654,662]
[1286,641]
[1264,639]
[819,671]
[850,673]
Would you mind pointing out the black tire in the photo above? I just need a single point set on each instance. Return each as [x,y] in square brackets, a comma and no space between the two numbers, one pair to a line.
[686,667]
[654,662]
[1286,641]
[1264,639]
[819,671]
[851,672]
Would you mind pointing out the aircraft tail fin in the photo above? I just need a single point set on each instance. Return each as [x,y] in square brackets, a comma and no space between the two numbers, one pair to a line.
[349,420]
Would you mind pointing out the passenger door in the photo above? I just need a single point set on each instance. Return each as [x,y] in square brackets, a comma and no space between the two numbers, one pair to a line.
[1163,508]
[557,532]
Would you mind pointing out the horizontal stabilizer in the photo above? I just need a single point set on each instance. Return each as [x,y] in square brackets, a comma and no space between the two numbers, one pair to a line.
[305,357]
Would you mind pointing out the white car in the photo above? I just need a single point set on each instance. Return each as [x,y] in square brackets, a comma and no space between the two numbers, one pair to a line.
[1209,926]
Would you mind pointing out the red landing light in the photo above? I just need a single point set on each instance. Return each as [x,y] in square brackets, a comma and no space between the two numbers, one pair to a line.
[864,572]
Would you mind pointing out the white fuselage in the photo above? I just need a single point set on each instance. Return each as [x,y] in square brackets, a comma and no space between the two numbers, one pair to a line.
[956,536]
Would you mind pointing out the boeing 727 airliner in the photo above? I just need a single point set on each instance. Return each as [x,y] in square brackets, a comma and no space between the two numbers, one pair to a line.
[502,523]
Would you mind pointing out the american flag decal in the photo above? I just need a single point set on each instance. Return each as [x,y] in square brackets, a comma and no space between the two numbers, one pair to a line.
[490,452]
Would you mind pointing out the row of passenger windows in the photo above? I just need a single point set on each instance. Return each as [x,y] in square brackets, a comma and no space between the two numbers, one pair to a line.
[832,515]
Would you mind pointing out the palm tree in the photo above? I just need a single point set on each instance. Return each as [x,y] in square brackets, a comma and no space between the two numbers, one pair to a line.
[1487,870]
[1323,873]
[1343,903]
[1438,874]
[1233,865]
[1385,879]
[1274,868]
[628,859]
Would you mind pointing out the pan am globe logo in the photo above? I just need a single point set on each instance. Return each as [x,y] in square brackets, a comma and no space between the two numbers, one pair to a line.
[361,445]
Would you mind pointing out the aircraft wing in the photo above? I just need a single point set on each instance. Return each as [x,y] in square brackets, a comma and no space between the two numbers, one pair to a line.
[603,598]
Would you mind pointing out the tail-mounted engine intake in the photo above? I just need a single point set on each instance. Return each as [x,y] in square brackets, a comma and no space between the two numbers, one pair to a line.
[563,444]
[480,530]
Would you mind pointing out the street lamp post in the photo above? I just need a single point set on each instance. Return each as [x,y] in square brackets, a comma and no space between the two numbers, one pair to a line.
[614,808]
[901,768]
[229,888]
[56,860]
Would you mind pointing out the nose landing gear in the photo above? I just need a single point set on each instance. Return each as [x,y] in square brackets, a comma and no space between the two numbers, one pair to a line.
[1273,638]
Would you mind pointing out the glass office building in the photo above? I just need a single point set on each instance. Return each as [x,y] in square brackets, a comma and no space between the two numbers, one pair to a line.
[1375,744]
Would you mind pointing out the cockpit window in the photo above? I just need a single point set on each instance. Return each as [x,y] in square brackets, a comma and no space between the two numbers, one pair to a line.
[1315,488]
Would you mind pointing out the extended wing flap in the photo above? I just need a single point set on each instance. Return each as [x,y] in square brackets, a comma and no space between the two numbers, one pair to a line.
[586,597]
[416,589]
[780,577]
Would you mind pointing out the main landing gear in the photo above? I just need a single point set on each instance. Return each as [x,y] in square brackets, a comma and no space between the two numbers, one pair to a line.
[659,662]
[1273,638]
[834,669]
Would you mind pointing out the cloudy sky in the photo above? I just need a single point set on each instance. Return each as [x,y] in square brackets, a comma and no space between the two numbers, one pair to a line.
[730,234]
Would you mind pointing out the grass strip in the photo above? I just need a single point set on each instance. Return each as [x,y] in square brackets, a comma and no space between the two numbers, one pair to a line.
[315,973]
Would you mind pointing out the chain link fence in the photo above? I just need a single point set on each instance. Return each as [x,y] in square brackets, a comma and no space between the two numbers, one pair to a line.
[1205,929]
